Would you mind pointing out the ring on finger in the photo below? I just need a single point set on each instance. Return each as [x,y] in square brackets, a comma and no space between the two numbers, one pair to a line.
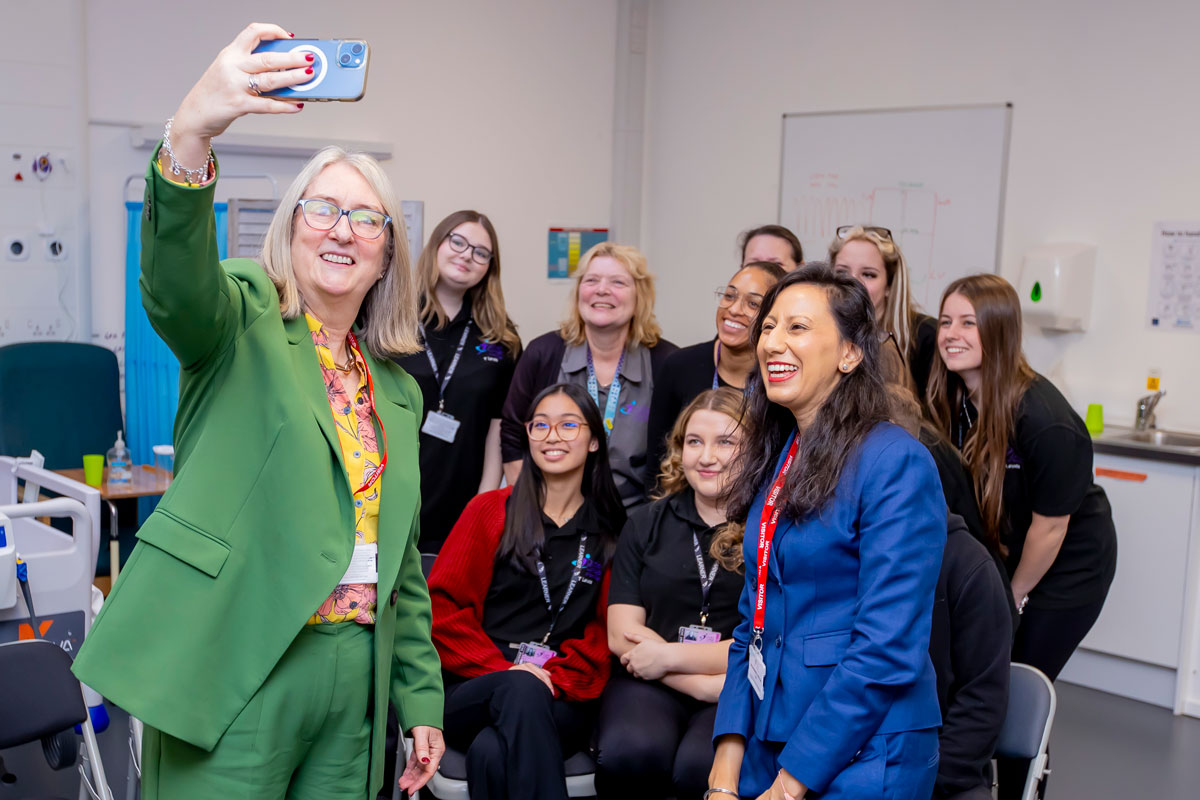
[252,85]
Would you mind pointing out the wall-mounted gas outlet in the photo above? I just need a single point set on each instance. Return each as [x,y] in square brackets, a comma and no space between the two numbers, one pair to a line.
[16,248]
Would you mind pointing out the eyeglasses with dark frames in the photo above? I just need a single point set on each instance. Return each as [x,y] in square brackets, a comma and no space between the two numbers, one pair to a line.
[844,231]
[567,429]
[727,296]
[365,223]
[459,244]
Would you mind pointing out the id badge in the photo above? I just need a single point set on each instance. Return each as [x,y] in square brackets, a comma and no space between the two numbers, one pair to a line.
[534,653]
[364,565]
[441,425]
[698,633]
[757,670]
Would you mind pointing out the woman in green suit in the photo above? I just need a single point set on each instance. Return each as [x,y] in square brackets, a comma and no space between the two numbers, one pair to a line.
[275,602]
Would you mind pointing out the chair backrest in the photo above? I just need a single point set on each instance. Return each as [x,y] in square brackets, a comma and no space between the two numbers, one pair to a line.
[38,694]
[1031,705]
[427,560]
[61,398]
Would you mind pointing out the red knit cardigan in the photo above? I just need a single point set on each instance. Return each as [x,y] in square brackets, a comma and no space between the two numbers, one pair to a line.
[458,586]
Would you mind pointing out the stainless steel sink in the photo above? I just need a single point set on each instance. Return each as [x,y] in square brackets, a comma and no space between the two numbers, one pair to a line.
[1169,440]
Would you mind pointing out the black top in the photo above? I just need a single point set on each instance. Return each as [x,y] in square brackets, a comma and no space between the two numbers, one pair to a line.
[685,373]
[921,351]
[970,642]
[514,610]
[450,472]
[655,568]
[1049,472]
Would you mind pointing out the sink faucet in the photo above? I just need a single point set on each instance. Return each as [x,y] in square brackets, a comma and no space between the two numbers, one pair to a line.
[1144,419]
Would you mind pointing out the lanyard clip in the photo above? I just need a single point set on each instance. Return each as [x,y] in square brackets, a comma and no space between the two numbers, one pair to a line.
[546,638]
[703,617]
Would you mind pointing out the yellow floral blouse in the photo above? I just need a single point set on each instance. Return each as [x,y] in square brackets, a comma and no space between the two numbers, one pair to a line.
[360,450]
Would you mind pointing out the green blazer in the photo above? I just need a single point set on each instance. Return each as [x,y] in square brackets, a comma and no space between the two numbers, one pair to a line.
[256,529]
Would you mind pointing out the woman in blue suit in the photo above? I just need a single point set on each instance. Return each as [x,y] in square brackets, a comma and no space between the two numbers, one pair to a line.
[829,688]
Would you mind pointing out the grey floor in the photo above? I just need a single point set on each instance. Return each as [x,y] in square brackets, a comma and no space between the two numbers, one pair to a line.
[1101,747]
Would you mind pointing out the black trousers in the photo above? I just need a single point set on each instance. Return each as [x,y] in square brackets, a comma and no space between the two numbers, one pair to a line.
[652,742]
[514,734]
[1045,639]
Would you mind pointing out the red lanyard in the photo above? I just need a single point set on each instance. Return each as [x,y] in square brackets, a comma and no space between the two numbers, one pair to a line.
[766,533]
[371,398]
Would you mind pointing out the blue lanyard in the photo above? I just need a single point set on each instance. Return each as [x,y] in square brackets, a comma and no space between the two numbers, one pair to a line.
[614,391]
[716,362]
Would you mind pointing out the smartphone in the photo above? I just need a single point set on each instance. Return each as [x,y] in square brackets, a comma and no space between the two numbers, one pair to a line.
[339,69]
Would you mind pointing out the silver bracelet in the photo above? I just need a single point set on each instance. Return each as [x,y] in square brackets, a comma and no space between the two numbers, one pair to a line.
[196,176]
[718,790]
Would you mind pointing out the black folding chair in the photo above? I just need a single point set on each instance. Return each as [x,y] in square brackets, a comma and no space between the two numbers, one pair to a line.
[1026,730]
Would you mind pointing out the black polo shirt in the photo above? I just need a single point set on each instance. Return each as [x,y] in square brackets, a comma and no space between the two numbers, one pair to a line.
[1048,471]
[450,472]
[514,610]
[655,568]
[685,374]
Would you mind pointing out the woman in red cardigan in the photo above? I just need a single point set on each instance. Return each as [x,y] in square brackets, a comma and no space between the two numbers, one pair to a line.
[519,594]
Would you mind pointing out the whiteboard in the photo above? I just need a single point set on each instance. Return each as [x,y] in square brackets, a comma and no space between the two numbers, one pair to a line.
[933,176]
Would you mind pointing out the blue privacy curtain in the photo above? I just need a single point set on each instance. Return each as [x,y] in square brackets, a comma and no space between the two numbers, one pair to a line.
[151,370]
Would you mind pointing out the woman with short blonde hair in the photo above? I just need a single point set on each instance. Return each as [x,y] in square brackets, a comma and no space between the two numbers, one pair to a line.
[611,344]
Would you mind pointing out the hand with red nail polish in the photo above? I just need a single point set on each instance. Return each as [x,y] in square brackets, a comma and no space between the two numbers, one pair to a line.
[427,750]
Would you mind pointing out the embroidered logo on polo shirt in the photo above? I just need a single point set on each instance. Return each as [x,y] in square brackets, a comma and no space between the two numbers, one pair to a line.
[1012,460]
[593,568]
[631,408]
[490,351]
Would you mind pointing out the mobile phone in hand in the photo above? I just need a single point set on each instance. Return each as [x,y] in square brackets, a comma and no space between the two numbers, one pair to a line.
[339,69]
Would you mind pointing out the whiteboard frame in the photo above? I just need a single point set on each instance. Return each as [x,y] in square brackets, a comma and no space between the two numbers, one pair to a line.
[1008,112]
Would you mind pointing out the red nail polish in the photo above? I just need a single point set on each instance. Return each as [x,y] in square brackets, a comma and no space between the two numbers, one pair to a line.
[299,105]
[309,56]
[424,760]
[308,71]
[292,35]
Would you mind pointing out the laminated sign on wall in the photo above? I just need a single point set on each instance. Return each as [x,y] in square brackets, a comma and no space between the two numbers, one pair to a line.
[1174,299]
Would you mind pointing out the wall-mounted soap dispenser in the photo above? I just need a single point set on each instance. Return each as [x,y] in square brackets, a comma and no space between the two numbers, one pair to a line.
[1056,286]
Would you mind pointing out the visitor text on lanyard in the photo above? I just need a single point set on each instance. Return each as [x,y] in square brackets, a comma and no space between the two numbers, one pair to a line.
[766,533]
[438,423]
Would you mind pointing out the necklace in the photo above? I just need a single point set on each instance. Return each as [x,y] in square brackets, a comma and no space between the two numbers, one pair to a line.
[350,366]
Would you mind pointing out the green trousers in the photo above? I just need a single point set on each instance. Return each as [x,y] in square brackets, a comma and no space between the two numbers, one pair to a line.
[305,735]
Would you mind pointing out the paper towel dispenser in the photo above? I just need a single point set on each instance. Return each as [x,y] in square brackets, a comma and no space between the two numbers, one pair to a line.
[1056,287]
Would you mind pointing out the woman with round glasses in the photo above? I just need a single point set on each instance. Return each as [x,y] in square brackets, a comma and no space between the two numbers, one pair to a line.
[610,345]
[275,601]
[519,593]
[471,346]
[870,255]
[727,360]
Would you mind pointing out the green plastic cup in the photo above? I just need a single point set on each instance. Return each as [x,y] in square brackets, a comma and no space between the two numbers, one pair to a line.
[93,470]
[1094,421]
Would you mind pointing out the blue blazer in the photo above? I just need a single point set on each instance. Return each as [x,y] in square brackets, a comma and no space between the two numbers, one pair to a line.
[849,599]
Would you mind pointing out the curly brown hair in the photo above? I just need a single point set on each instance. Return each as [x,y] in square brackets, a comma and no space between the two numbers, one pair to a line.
[727,543]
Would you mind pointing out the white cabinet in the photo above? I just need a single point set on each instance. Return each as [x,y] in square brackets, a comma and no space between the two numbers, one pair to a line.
[1152,510]
[1146,643]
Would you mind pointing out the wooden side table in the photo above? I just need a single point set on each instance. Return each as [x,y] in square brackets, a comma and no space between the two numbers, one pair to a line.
[145,481]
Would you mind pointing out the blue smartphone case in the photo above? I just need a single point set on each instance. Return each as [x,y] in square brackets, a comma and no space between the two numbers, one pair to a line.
[339,68]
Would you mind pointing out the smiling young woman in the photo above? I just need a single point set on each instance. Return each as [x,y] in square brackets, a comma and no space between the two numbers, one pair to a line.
[726,360]
[672,609]
[611,345]
[470,352]
[518,595]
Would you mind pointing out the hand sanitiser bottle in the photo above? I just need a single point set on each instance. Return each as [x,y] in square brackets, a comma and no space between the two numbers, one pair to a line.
[120,469]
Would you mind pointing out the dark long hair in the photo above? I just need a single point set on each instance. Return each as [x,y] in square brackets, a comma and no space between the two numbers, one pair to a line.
[779,232]
[857,404]
[523,535]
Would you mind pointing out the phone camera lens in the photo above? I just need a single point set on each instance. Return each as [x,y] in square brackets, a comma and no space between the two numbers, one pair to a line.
[345,59]
[356,49]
